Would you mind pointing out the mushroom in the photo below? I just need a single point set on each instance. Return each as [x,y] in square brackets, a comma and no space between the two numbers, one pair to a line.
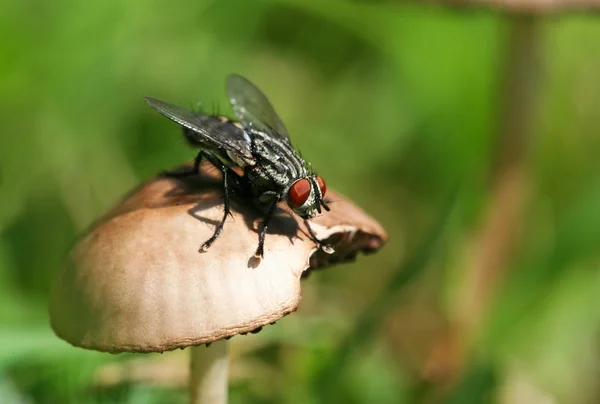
[136,282]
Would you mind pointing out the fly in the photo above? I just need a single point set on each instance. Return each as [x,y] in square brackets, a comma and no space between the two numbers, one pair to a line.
[260,145]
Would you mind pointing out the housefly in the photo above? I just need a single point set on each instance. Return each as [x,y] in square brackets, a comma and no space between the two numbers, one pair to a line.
[260,145]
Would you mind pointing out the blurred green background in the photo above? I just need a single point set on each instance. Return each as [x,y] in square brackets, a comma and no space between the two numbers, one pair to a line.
[473,136]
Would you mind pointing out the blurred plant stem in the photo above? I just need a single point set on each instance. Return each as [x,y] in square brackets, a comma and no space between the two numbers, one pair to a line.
[490,246]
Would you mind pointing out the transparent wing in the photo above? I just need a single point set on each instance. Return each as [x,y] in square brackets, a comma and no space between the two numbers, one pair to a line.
[252,107]
[209,128]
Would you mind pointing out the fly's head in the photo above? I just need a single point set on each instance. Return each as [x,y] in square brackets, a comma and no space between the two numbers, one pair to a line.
[305,196]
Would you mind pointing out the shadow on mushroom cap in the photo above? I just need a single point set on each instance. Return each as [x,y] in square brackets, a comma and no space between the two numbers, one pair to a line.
[135,281]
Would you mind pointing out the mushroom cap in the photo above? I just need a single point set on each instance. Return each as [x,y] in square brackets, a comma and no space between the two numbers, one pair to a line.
[136,281]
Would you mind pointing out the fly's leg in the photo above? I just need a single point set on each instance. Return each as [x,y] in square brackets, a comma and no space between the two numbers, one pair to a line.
[194,170]
[227,172]
[260,251]
[323,246]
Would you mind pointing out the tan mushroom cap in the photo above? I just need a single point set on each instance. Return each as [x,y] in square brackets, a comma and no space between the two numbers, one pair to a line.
[136,281]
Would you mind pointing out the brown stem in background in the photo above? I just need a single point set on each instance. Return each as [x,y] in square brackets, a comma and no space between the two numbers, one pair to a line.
[520,81]
[491,244]
[527,6]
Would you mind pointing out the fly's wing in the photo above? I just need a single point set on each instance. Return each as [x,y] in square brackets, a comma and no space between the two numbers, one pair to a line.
[208,128]
[252,107]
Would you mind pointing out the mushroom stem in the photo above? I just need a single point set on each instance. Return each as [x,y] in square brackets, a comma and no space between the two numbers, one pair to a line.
[208,376]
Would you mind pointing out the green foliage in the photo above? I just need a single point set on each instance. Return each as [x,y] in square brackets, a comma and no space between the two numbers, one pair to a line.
[394,104]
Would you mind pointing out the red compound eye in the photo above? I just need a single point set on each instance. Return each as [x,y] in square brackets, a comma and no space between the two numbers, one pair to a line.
[298,193]
[322,186]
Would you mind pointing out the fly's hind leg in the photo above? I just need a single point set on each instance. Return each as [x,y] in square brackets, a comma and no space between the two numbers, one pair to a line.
[194,170]
[323,246]
[227,172]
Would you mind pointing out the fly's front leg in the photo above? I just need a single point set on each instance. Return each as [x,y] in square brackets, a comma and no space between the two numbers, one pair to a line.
[227,172]
[260,251]
[323,246]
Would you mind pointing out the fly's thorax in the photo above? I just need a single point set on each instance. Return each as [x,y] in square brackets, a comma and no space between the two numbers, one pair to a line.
[278,156]
[277,165]
[262,181]
[305,196]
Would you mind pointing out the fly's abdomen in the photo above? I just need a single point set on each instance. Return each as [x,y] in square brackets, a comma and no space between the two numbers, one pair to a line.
[231,131]
[220,124]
